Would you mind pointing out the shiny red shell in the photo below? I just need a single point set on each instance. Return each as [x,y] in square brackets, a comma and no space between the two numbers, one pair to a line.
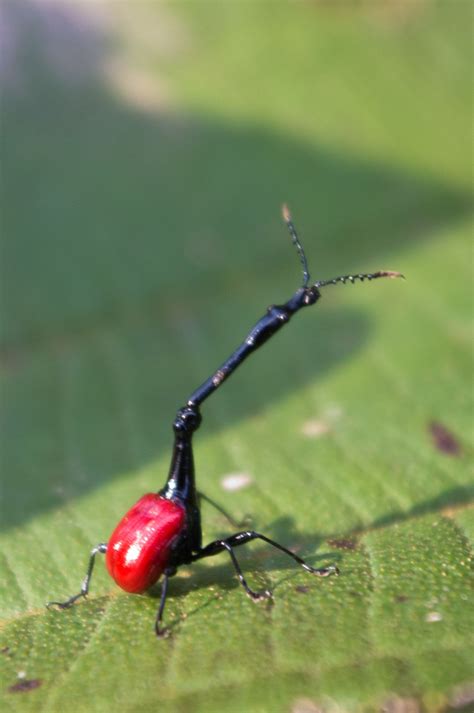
[139,548]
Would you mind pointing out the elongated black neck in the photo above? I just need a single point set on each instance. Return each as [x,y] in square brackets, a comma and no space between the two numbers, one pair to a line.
[275,318]
[181,480]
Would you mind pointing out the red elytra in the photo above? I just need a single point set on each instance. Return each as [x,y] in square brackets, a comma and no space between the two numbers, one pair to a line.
[139,548]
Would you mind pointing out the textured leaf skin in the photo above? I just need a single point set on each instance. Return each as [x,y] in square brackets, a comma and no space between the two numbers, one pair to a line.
[141,242]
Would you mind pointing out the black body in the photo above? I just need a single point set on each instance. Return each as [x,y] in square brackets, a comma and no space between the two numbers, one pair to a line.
[180,485]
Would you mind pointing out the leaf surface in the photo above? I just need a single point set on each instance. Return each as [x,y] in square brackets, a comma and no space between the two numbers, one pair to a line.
[141,246]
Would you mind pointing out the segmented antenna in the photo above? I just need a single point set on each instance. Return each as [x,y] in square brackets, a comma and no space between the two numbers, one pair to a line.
[352,278]
[296,242]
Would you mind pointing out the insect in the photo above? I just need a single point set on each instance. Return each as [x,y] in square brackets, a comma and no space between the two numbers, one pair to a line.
[162,531]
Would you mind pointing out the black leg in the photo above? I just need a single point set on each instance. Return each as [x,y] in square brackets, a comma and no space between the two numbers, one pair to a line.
[241,538]
[102,549]
[256,596]
[220,509]
[163,632]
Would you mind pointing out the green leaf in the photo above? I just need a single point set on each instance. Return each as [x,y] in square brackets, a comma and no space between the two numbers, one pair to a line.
[141,245]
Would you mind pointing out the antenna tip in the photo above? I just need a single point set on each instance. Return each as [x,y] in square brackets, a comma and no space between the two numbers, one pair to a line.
[285,211]
[389,273]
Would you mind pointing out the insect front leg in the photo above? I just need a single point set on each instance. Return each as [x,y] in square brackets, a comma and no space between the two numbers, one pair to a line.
[163,631]
[219,508]
[102,549]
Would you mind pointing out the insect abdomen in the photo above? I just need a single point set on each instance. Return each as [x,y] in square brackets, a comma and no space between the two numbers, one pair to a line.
[139,549]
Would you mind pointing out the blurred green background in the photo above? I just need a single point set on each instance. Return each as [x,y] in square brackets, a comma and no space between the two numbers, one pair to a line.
[146,151]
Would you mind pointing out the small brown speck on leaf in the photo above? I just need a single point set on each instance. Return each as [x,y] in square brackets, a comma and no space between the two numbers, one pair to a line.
[25,685]
[462,696]
[401,598]
[305,705]
[433,617]
[401,705]
[302,589]
[343,544]
[444,440]
[315,428]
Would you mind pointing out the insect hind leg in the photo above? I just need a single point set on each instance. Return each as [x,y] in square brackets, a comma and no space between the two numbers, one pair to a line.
[241,538]
[100,549]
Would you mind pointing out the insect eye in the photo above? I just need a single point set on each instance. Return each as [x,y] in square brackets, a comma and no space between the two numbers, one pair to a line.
[312,295]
